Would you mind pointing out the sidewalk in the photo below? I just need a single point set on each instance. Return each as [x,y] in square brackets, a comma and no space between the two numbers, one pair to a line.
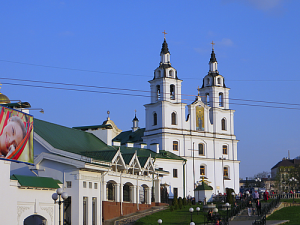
[249,222]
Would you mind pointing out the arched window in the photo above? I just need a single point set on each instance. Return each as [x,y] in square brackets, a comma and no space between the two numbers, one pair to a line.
[223,124]
[221,99]
[172,92]
[126,193]
[154,119]
[158,73]
[171,73]
[175,145]
[225,150]
[202,170]
[173,118]
[207,98]
[110,191]
[219,80]
[226,171]
[207,81]
[157,92]
[201,149]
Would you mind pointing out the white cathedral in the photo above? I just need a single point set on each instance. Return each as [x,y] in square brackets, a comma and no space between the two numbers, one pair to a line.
[204,137]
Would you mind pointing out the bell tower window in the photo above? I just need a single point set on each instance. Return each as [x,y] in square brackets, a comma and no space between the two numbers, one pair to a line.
[223,123]
[172,92]
[207,98]
[221,99]
[219,80]
[158,73]
[171,73]
[157,92]
[173,116]
[154,119]
[207,81]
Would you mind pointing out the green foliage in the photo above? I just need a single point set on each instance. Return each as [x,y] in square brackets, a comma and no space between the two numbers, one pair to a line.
[180,204]
[175,203]
[229,197]
[289,213]
[171,208]
[184,202]
[178,217]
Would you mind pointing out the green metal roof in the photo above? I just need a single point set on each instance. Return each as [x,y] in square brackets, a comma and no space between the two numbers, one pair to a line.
[95,127]
[127,157]
[38,182]
[100,155]
[69,139]
[143,160]
[129,136]
[203,187]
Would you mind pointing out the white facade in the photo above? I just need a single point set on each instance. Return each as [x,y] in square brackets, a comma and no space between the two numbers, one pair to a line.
[209,123]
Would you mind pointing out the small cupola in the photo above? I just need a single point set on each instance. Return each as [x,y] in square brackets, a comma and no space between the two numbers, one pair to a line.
[135,122]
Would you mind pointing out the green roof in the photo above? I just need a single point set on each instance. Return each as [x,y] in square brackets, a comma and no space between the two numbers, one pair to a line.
[100,155]
[129,136]
[143,160]
[127,157]
[69,139]
[95,127]
[38,182]
[203,187]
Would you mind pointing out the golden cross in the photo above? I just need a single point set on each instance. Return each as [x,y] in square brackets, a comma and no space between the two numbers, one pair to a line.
[164,33]
[198,91]
[212,43]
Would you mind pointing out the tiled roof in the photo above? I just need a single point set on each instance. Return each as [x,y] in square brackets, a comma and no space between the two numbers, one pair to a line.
[68,139]
[287,162]
[100,155]
[38,182]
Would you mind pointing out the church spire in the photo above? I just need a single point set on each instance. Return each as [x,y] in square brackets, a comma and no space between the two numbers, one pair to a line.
[164,53]
[213,64]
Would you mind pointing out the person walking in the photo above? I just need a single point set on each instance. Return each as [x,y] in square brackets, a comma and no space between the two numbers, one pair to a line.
[258,207]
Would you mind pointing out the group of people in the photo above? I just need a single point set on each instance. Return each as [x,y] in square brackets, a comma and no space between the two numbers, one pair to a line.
[255,196]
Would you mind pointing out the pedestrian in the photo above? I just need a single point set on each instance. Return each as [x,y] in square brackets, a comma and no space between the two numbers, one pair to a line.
[258,207]
[249,205]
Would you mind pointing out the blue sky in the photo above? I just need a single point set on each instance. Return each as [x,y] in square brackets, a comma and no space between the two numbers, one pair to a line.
[116,44]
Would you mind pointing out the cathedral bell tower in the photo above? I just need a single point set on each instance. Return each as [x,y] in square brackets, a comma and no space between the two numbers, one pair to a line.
[165,85]
[214,92]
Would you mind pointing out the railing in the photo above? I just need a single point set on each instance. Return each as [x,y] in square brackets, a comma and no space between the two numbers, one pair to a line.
[285,196]
[265,210]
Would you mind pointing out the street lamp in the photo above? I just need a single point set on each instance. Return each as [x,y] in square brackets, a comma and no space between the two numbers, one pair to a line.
[198,209]
[293,181]
[227,206]
[191,211]
[192,223]
[159,221]
[257,180]
[223,158]
[58,195]
[215,211]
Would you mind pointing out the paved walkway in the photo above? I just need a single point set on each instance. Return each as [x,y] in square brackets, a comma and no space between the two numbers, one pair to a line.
[244,219]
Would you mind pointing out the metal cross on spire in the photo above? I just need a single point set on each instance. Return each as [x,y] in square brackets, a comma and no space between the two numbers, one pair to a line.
[198,91]
[212,43]
[164,34]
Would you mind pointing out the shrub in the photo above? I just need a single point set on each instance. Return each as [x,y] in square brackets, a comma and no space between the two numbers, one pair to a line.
[175,203]
[180,204]
[184,202]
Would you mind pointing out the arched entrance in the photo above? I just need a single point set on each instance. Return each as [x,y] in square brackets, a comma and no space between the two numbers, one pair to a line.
[35,220]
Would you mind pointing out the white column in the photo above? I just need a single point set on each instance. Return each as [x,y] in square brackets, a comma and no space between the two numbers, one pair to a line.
[148,194]
[117,193]
[133,194]
[157,191]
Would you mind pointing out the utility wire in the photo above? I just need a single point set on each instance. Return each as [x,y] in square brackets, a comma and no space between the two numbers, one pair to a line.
[127,74]
[135,90]
[140,95]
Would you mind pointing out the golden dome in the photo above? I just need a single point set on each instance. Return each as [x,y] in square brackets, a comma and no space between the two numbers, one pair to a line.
[4,99]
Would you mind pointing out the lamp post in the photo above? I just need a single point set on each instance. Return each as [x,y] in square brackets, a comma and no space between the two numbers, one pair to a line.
[227,206]
[192,223]
[293,181]
[257,180]
[191,211]
[58,195]
[198,210]
[159,221]
[222,158]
